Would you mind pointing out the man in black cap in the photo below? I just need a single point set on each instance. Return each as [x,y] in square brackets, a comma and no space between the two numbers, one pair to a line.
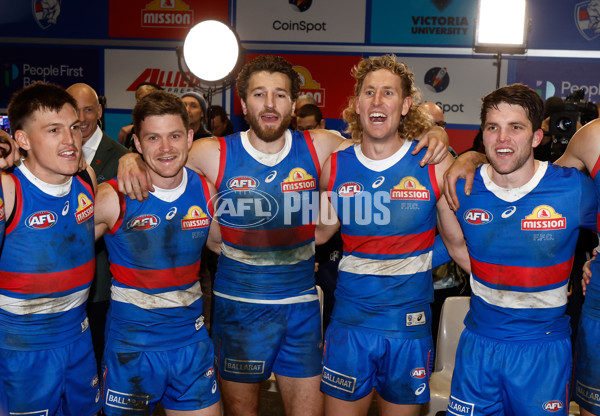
[196,108]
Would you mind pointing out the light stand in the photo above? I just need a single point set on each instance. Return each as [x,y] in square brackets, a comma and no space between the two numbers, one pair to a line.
[501,28]
[213,54]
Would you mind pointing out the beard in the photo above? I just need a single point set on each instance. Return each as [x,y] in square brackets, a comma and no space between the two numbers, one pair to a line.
[272,133]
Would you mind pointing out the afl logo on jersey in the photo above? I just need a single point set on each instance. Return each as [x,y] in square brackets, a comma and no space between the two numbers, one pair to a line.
[418,373]
[242,183]
[41,219]
[478,216]
[144,222]
[349,189]
[85,208]
[553,406]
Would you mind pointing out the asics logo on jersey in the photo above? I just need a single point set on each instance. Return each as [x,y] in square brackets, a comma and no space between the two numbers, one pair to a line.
[65,210]
[171,213]
[421,389]
[553,406]
[271,177]
[242,183]
[41,219]
[510,211]
[378,182]
[477,216]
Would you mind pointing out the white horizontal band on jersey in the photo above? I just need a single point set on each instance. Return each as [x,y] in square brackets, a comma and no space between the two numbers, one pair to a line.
[43,305]
[164,300]
[285,301]
[397,267]
[270,258]
[552,298]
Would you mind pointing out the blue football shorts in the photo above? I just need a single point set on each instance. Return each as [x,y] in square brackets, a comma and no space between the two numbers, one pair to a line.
[586,383]
[357,360]
[180,379]
[252,340]
[59,381]
[493,377]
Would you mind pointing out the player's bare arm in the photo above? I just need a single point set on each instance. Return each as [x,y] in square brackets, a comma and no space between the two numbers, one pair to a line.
[463,167]
[204,157]
[328,222]
[583,149]
[106,209]
[327,143]
[436,140]
[448,225]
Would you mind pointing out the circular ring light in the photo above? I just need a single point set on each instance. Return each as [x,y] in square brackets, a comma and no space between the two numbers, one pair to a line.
[211,50]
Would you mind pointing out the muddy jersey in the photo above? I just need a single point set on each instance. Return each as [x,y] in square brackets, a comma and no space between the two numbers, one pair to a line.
[387,211]
[268,205]
[154,250]
[591,306]
[521,244]
[46,264]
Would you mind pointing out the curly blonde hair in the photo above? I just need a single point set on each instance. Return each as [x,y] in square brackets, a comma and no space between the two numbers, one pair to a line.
[413,124]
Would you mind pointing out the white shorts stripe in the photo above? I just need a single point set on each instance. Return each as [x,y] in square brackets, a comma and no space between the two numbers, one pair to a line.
[552,298]
[285,301]
[172,299]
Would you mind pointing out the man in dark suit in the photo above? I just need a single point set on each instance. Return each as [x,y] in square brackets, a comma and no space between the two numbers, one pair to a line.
[102,153]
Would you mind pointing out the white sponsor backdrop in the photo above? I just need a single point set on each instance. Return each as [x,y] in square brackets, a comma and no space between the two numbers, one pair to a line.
[122,67]
[336,21]
[469,79]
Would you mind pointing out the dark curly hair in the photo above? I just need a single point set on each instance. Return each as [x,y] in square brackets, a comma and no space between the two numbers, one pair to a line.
[515,94]
[271,64]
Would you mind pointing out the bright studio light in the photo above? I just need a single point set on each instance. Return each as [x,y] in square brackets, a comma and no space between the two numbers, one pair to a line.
[211,50]
[501,26]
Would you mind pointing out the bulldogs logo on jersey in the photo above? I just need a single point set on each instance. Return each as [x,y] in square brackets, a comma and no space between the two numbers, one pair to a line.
[298,180]
[350,189]
[85,208]
[410,188]
[195,218]
[544,217]
[41,220]
[143,222]
[477,216]
[242,183]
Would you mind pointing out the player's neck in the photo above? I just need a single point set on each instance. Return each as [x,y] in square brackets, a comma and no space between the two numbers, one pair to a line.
[166,183]
[378,149]
[263,146]
[514,179]
[45,175]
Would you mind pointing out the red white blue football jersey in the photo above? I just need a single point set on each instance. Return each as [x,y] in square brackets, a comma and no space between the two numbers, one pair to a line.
[154,250]
[387,210]
[268,206]
[47,264]
[521,243]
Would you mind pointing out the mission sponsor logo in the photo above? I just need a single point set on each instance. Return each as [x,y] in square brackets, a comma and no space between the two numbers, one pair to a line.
[477,216]
[338,380]
[244,366]
[85,208]
[552,406]
[298,180]
[1,209]
[167,14]
[125,400]
[195,218]
[544,217]
[242,183]
[309,86]
[350,189]
[41,220]
[409,188]
[143,222]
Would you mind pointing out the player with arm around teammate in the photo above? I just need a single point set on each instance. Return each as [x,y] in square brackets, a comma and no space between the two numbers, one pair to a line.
[157,347]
